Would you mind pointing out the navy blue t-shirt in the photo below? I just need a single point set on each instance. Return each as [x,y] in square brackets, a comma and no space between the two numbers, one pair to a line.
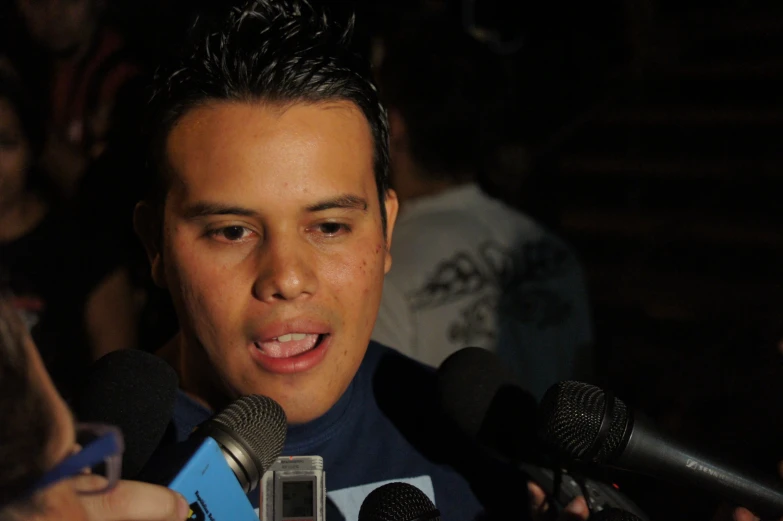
[385,428]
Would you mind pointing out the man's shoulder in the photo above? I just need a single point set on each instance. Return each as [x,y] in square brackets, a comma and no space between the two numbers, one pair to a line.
[187,415]
[404,392]
[449,222]
[400,386]
[379,355]
[426,238]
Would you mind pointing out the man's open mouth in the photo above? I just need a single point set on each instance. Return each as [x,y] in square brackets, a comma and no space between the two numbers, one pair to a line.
[290,345]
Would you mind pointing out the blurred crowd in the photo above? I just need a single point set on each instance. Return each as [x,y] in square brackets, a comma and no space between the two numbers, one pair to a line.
[477,257]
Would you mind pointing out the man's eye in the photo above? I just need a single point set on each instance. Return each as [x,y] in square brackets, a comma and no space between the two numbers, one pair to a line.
[231,233]
[332,229]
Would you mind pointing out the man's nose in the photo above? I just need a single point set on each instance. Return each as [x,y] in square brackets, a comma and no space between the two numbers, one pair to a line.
[286,271]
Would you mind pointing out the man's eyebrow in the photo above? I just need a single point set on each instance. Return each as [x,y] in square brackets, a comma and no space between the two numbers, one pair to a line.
[351,202]
[204,209]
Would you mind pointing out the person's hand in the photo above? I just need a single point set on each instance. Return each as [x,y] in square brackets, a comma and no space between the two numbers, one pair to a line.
[136,501]
[743,514]
[576,510]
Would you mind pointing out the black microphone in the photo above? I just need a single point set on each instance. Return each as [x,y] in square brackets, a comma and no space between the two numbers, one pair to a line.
[135,391]
[614,514]
[480,396]
[398,502]
[224,459]
[585,423]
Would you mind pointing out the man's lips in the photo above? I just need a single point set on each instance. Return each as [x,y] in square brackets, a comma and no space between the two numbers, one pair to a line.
[294,356]
[291,344]
[282,328]
[289,338]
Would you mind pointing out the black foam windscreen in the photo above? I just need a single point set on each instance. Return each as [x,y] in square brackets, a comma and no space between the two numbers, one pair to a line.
[134,391]
[398,502]
[614,514]
[479,394]
[571,418]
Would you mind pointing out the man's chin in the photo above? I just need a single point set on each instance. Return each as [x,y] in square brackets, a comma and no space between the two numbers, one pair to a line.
[303,417]
[298,410]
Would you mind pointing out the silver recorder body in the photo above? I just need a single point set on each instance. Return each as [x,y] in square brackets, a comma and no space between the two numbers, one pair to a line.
[294,489]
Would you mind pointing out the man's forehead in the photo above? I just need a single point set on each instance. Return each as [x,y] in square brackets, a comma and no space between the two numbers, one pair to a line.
[242,148]
[256,122]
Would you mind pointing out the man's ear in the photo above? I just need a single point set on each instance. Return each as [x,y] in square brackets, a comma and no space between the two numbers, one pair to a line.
[392,206]
[148,226]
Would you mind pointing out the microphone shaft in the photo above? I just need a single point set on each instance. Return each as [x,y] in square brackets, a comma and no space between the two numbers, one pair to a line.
[649,452]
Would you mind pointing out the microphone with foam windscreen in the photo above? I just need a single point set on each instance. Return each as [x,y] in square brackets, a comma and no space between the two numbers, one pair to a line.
[224,459]
[478,394]
[585,423]
[398,502]
[135,391]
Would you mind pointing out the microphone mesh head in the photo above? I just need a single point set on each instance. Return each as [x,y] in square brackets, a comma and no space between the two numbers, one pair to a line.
[570,418]
[397,502]
[614,514]
[260,423]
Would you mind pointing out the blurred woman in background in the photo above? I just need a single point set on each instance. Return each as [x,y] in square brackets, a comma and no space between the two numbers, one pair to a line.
[70,280]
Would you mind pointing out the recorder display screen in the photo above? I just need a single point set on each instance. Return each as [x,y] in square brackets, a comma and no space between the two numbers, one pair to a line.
[298,499]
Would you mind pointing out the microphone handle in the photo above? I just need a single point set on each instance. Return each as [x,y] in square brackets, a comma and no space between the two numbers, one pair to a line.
[600,495]
[197,469]
[649,452]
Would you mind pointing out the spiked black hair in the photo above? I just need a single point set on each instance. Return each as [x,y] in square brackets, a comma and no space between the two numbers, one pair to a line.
[278,51]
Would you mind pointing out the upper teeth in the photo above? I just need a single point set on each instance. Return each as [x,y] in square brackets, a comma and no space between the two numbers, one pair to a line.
[291,336]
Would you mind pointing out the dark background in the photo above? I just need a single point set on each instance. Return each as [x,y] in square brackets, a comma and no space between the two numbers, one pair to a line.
[649,136]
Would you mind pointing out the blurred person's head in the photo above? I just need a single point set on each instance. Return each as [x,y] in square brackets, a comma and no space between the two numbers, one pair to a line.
[445,95]
[36,429]
[63,27]
[272,222]
[21,141]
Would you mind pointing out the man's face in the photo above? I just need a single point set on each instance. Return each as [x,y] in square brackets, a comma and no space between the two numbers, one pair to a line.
[273,248]
[62,26]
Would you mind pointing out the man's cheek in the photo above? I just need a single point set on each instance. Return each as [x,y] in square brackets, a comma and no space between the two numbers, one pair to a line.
[197,266]
[352,276]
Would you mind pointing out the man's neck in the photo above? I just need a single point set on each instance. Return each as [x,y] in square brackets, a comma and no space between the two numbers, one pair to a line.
[196,378]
